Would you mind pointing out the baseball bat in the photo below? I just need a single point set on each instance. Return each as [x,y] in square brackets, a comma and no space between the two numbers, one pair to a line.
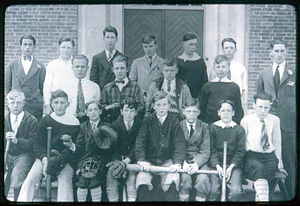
[6,153]
[223,194]
[48,180]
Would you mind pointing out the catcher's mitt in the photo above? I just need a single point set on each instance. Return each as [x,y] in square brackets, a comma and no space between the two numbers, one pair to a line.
[105,137]
[90,167]
[55,162]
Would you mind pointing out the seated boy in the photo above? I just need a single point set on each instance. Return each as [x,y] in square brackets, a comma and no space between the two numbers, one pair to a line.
[176,88]
[118,90]
[63,125]
[218,89]
[227,130]
[92,155]
[160,142]
[127,126]
[20,129]
[197,138]
[263,145]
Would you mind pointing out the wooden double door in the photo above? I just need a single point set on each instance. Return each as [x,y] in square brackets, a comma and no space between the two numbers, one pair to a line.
[167,25]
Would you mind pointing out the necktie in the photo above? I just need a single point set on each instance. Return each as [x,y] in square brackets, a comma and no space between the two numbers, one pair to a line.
[229,73]
[264,136]
[110,55]
[94,125]
[220,79]
[169,86]
[15,125]
[128,126]
[120,81]
[150,61]
[191,130]
[161,120]
[80,100]
[276,81]
[27,58]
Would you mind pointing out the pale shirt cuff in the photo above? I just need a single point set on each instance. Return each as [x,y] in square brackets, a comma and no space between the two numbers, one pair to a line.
[73,147]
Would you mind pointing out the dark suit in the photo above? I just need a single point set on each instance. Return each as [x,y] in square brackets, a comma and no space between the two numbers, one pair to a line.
[20,155]
[285,108]
[31,84]
[101,70]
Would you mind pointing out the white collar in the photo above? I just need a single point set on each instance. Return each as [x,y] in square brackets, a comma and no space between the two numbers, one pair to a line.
[95,122]
[188,124]
[126,80]
[125,122]
[153,57]
[256,118]
[162,118]
[224,79]
[185,57]
[68,62]
[67,119]
[107,52]
[20,116]
[280,68]
[28,60]
[220,123]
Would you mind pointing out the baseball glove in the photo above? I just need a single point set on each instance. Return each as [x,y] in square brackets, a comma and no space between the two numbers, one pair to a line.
[105,137]
[55,162]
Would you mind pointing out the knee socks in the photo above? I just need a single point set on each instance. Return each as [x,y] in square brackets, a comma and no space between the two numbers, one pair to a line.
[96,194]
[261,187]
[82,194]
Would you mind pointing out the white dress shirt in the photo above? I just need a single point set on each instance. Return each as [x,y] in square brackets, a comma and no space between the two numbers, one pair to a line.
[238,75]
[162,119]
[224,79]
[66,119]
[26,64]
[120,85]
[223,125]
[126,124]
[280,69]
[91,91]
[253,126]
[188,126]
[12,120]
[58,76]
[107,53]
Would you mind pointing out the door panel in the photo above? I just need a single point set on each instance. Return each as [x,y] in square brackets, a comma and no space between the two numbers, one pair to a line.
[179,22]
[167,25]
[137,24]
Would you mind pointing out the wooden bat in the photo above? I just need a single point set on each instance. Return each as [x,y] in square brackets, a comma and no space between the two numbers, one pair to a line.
[223,194]
[48,182]
[6,152]
[137,168]
[125,198]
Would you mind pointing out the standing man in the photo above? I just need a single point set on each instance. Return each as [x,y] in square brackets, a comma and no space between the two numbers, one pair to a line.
[237,72]
[148,68]
[81,90]
[101,72]
[27,74]
[59,71]
[279,80]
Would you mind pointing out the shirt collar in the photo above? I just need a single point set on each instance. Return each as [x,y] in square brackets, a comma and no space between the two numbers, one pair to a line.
[69,61]
[28,60]
[20,116]
[153,57]
[224,79]
[126,80]
[185,57]
[188,124]
[125,122]
[107,52]
[220,123]
[281,68]
[95,122]
[163,118]
[257,120]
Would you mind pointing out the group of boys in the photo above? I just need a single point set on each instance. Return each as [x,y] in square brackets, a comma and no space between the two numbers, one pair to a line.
[172,129]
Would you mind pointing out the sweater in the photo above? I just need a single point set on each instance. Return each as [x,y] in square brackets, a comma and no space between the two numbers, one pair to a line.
[194,74]
[212,93]
[158,142]
[126,139]
[58,129]
[235,137]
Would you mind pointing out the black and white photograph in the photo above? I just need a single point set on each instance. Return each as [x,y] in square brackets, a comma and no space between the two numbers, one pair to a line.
[142,103]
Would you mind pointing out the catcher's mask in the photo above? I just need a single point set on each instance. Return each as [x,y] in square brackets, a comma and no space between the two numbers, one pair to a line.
[104,137]
[90,167]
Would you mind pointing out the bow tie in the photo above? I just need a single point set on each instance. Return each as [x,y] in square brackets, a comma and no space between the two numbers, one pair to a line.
[120,81]
[27,58]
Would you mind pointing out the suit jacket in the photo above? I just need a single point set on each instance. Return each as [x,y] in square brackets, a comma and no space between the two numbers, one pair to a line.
[25,134]
[31,84]
[86,146]
[198,145]
[285,105]
[101,70]
[142,73]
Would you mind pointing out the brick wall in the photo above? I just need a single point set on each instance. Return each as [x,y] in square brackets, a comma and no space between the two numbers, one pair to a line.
[268,22]
[47,23]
